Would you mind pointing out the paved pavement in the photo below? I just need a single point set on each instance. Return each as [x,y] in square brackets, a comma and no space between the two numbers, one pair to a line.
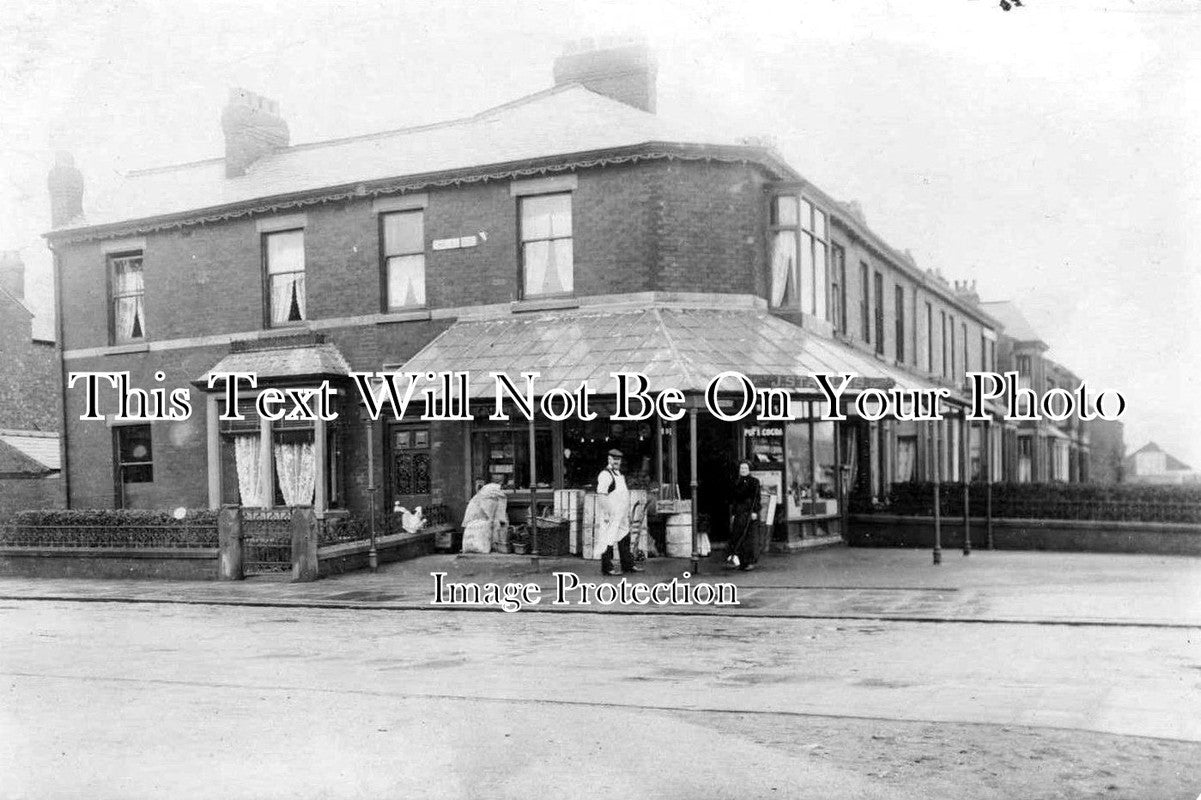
[349,687]
[836,583]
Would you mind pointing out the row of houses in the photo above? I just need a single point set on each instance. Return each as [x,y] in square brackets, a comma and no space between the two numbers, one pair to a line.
[573,232]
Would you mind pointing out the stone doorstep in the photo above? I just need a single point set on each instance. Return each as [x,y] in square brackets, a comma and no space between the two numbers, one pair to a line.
[381,542]
[807,543]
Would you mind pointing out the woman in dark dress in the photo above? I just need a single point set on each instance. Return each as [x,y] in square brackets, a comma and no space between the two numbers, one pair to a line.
[744,519]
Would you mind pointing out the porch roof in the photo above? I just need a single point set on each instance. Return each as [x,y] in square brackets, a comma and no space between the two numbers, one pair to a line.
[284,362]
[674,347]
[28,452]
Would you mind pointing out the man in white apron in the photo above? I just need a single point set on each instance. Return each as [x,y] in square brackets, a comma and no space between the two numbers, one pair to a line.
[614,505]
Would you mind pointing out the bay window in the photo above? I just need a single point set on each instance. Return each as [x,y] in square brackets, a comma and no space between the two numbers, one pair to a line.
[799,256]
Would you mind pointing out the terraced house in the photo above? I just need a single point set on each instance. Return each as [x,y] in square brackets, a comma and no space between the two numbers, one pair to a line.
[573,232]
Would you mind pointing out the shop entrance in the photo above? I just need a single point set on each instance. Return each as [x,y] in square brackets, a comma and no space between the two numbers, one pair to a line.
[716,466]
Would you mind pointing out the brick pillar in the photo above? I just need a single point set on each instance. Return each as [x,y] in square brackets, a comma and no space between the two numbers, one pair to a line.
[229,543]
[304,545]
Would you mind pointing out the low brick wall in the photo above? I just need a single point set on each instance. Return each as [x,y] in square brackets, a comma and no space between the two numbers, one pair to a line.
[336,559]
[1156,538]
[198,564]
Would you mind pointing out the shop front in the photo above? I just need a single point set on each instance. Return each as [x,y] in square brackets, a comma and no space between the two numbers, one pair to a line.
[682,469]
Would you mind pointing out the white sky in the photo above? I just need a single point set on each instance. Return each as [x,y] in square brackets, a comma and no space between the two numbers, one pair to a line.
[1049,152]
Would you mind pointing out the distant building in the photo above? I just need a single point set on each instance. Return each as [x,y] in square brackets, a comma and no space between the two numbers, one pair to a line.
[1150,464]
[30,402]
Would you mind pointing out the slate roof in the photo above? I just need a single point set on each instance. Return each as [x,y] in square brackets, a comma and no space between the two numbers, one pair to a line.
[284,362]
[28,452]
[568,119]
[682,348]
[1016,326]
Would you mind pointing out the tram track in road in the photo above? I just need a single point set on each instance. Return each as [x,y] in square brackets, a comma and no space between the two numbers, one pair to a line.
[615,611]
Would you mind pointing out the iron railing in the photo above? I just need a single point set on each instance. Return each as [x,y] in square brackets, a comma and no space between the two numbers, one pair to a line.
[342,528]
[109,536]
[1041,501]
[266,541]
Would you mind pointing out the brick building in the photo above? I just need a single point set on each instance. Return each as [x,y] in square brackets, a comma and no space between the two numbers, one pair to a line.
[30,402]
[573,232]
[1038,451]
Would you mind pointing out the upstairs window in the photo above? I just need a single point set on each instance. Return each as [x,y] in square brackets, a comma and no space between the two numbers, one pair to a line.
[799,258]
[128,298]
[966,352]
[900,324]
[879,287]
[284,256]
[838,288]
[404,258]
[943,317]
[547,251]
[954,361]
[929,338]
[864,303]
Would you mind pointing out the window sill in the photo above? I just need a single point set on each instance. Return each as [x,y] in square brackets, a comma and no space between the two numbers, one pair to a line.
[545,304]
[403,315]
[123,349]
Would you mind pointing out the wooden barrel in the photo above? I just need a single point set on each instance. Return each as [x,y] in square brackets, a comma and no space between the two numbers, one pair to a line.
[679,535]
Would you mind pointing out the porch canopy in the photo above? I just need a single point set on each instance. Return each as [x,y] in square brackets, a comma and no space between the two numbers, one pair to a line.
[283,359]
[681,348]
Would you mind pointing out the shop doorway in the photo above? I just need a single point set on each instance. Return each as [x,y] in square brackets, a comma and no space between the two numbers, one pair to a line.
[716,466]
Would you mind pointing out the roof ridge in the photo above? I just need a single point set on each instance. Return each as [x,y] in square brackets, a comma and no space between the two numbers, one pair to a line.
[17,300]
[358,137]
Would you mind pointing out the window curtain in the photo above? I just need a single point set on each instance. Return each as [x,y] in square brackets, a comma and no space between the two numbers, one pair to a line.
[406,281]
[286,291]
[782,259]
[296,470]
[250,475]
[129,322]
[906,458]
[850,454]
[548,267]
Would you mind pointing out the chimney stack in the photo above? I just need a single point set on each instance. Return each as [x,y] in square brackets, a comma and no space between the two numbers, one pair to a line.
[12,273]
[622,69]
[66,190]
[253,128]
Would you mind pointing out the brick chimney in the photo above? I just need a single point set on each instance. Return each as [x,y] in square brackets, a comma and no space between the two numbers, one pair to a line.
[253,128]
[12,273]
[623,69]
[66,190]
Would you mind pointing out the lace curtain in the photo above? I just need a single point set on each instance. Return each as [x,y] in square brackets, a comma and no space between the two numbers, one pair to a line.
[287,297]
[783,260]
[247,458]
[296,471]
[906,457]
[128,290]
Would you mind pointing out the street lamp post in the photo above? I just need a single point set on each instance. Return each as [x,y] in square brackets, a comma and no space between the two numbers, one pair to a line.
[372,554]
[937,492]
